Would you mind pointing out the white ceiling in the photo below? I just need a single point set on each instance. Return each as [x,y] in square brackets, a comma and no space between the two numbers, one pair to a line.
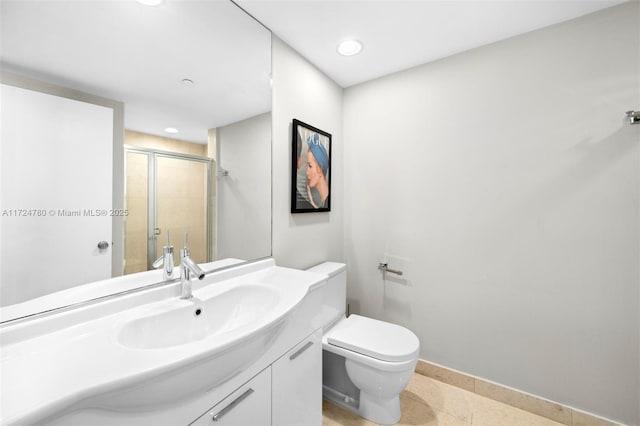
[122,50]
[402,34]
[136,54]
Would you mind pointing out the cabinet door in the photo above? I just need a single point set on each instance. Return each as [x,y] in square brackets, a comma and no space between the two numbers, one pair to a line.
[297,384]
[249,405]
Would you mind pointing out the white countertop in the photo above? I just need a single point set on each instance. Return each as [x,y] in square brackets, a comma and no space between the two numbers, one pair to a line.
[64,362]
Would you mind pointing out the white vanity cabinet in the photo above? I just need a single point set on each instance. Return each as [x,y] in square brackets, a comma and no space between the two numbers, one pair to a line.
[249,405]
[288,392]
[297,384]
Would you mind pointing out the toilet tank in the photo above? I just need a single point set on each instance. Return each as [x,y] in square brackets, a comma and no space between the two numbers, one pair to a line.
[334,297]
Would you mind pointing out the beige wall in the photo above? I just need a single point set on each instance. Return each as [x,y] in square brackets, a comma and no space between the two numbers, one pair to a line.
[145,140]
[136,198]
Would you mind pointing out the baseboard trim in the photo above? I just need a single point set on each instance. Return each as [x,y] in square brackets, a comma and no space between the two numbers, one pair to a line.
[522,400]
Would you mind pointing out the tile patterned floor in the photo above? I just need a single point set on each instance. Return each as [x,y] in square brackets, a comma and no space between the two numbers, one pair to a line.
[429,402]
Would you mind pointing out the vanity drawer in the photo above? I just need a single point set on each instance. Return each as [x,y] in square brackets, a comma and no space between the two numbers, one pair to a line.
[248,405]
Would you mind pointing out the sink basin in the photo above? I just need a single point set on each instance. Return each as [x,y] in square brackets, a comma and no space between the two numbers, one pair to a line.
[181,322]
[209,338]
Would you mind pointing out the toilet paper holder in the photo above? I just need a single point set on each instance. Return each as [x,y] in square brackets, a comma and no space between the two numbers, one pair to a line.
[384,267]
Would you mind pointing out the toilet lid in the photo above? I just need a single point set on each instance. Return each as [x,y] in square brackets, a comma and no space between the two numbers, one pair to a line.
[374,338]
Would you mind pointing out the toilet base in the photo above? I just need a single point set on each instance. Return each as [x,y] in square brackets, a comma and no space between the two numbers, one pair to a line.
[378,410]
[381,411]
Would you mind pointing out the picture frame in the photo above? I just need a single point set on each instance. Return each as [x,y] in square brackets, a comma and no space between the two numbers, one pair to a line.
[310,169]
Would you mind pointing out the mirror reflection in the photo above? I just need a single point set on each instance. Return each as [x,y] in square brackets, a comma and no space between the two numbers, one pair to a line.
[123,124]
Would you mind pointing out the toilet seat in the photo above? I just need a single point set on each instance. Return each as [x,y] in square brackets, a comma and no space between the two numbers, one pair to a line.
[373,338]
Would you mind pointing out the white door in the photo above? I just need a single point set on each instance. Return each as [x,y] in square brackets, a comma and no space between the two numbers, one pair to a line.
[56,158]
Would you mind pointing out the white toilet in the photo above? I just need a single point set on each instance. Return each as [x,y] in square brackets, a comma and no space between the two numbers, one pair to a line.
[366,362]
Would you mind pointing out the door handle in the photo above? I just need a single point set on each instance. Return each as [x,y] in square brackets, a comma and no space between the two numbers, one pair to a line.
[103,245]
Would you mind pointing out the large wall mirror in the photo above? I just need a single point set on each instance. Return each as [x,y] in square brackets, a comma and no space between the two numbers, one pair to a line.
[125,125]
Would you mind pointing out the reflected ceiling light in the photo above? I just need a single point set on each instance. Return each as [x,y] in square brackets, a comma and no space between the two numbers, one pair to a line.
[172,130]
[350,47]
[150,2]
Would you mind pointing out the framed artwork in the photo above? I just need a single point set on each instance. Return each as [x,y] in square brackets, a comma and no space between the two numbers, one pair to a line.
[310,169]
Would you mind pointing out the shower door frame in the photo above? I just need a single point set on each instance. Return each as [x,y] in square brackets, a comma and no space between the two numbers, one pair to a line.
[152,196]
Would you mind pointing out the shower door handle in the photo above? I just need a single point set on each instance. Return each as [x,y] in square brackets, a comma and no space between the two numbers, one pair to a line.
[157,231]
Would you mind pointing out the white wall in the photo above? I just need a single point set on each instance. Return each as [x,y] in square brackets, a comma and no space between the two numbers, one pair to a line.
[301,91]
[243,226]
[504,181]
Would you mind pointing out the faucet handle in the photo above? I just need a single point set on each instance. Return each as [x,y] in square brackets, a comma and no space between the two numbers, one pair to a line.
[167,253]
[168,249]
[158,262]
[185,252]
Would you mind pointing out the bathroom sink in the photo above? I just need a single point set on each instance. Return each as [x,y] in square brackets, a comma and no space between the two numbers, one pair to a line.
[247,307]
[148,353]
[214,335]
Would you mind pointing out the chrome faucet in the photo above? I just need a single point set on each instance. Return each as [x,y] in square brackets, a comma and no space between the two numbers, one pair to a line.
[187,267]
[166,260]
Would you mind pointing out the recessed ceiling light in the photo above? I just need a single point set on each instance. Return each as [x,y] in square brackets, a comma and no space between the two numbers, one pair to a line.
[171,130]
[350,47]
[150,2]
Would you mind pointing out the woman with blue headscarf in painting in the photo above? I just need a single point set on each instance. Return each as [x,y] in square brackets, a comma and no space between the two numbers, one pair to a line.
[317,172]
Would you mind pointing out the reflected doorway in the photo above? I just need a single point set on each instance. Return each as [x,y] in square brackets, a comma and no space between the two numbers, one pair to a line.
[166,192]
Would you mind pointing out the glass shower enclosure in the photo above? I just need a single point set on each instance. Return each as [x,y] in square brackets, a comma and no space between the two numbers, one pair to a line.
[166,192]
